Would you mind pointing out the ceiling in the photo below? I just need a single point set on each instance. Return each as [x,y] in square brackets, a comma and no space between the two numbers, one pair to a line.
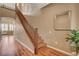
[32,9]
[12,5]
[29,8]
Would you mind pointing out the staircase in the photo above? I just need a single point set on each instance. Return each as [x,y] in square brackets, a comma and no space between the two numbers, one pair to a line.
[40,47]
[34,36]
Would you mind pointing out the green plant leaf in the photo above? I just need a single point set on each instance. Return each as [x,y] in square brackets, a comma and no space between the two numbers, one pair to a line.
[73,36]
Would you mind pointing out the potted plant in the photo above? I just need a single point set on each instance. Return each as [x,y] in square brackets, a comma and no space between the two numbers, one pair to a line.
[73,39]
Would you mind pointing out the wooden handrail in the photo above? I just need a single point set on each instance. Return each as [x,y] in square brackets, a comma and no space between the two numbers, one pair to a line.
[28,29]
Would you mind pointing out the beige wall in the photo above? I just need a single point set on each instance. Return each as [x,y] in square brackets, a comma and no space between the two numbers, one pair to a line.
[44,23]
[6,13]
[77,11]
[21,36]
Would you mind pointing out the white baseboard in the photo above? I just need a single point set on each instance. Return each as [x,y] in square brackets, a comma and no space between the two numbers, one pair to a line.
[60,50]
[47,45]
[25,45]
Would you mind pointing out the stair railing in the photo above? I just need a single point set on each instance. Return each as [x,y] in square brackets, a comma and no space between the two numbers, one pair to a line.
[28,29]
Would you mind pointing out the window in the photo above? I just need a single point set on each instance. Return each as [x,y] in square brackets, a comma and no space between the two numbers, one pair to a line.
[11,27]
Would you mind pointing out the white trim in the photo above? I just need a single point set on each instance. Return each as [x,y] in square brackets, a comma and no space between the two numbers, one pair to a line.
[60,50]
[25,45]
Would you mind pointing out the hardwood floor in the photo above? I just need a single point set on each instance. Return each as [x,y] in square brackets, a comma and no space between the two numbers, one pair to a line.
[44,51]
[10,47]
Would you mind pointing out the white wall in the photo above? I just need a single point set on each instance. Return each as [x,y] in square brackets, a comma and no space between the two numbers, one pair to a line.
[44,23]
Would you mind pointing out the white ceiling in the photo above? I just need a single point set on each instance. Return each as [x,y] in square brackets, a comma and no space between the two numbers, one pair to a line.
[28,9]
[12,5]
